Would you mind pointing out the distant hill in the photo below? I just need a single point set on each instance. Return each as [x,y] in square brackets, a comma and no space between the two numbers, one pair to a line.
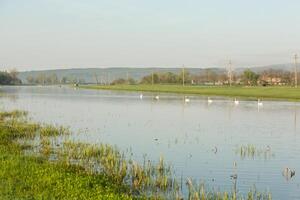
[285,67]
[90,75]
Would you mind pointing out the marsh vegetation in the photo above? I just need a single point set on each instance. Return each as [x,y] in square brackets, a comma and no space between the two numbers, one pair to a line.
[40,161]
[252,151]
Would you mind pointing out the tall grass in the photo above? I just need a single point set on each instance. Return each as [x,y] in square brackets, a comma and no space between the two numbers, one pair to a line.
[252,151]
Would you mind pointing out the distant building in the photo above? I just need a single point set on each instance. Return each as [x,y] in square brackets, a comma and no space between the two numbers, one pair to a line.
[271,80]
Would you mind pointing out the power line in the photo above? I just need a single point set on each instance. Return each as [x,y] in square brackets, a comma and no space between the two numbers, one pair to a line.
[152,77]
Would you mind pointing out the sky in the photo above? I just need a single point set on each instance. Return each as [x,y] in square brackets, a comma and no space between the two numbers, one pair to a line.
[51,34]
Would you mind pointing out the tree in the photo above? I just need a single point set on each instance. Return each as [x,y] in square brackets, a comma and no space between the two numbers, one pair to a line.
[7,78]
[40,79]
[148,79]
[118,81]
[186,75]
[64,80]
[30,79]
[53,79]
[14,74]
[250,77]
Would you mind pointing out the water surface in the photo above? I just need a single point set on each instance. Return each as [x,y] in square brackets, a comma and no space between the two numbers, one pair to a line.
[197,138]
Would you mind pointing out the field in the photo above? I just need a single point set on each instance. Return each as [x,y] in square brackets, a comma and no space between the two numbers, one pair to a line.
[287,93]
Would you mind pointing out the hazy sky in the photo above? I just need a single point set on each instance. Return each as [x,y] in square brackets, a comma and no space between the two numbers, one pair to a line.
[48,34]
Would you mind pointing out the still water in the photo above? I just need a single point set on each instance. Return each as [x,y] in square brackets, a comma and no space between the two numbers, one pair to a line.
[199,139]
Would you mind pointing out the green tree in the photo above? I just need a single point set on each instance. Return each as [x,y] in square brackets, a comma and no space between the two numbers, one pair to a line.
[9,78]
[30,79]
[64,80]
[148,79]
[187,77]
[53,79]
[250,77]
[40,79]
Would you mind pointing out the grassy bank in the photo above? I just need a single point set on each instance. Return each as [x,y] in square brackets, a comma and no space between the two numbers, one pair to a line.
[32,176]
[41,162]
[287,93]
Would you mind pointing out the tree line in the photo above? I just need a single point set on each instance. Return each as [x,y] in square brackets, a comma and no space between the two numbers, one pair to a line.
[212,77]
[9,78]
[205,77]
[52,79]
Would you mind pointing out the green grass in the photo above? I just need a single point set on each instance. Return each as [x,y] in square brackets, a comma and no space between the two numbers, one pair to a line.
[35,177]
[287,93]
[25,177]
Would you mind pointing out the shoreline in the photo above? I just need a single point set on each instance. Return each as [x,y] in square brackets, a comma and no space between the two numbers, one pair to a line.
[251,93]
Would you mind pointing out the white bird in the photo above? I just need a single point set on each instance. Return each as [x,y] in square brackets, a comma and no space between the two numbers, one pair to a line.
[186,99]
[288,173]
[259,103]
[141,96]
[236,102]
[209,100]
[157,97]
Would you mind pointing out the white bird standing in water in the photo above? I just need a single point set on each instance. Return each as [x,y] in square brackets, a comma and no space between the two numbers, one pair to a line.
[236,102]
[157,97]
[186,100]
[259,103]
[209,100]
[288,173]
[141,96]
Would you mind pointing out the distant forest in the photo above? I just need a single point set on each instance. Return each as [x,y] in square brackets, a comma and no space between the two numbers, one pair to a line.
[203,77]
[9,78]
[207,77]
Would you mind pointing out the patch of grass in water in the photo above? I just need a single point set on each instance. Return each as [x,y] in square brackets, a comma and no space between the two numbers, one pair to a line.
[13,114]
[199,192]
[252,151]
[50,130]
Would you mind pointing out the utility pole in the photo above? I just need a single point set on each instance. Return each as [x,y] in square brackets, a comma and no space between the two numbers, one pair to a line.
[96,78]
[230,72]
[296,72]
[152,77]
[127,76]
[100,79]
[108,80]
[183,75]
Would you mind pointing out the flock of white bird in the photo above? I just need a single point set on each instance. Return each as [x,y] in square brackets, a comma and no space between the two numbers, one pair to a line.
[209,100]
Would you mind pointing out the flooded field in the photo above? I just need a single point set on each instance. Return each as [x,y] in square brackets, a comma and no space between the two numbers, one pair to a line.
[214,141]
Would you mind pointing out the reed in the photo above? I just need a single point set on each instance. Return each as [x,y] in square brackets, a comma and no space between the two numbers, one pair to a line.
[252,151]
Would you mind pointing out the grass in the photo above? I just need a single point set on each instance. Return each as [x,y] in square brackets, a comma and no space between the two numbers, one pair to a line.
[276,92]
[251,151]
[36,162]
[24,177]
[35,177]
